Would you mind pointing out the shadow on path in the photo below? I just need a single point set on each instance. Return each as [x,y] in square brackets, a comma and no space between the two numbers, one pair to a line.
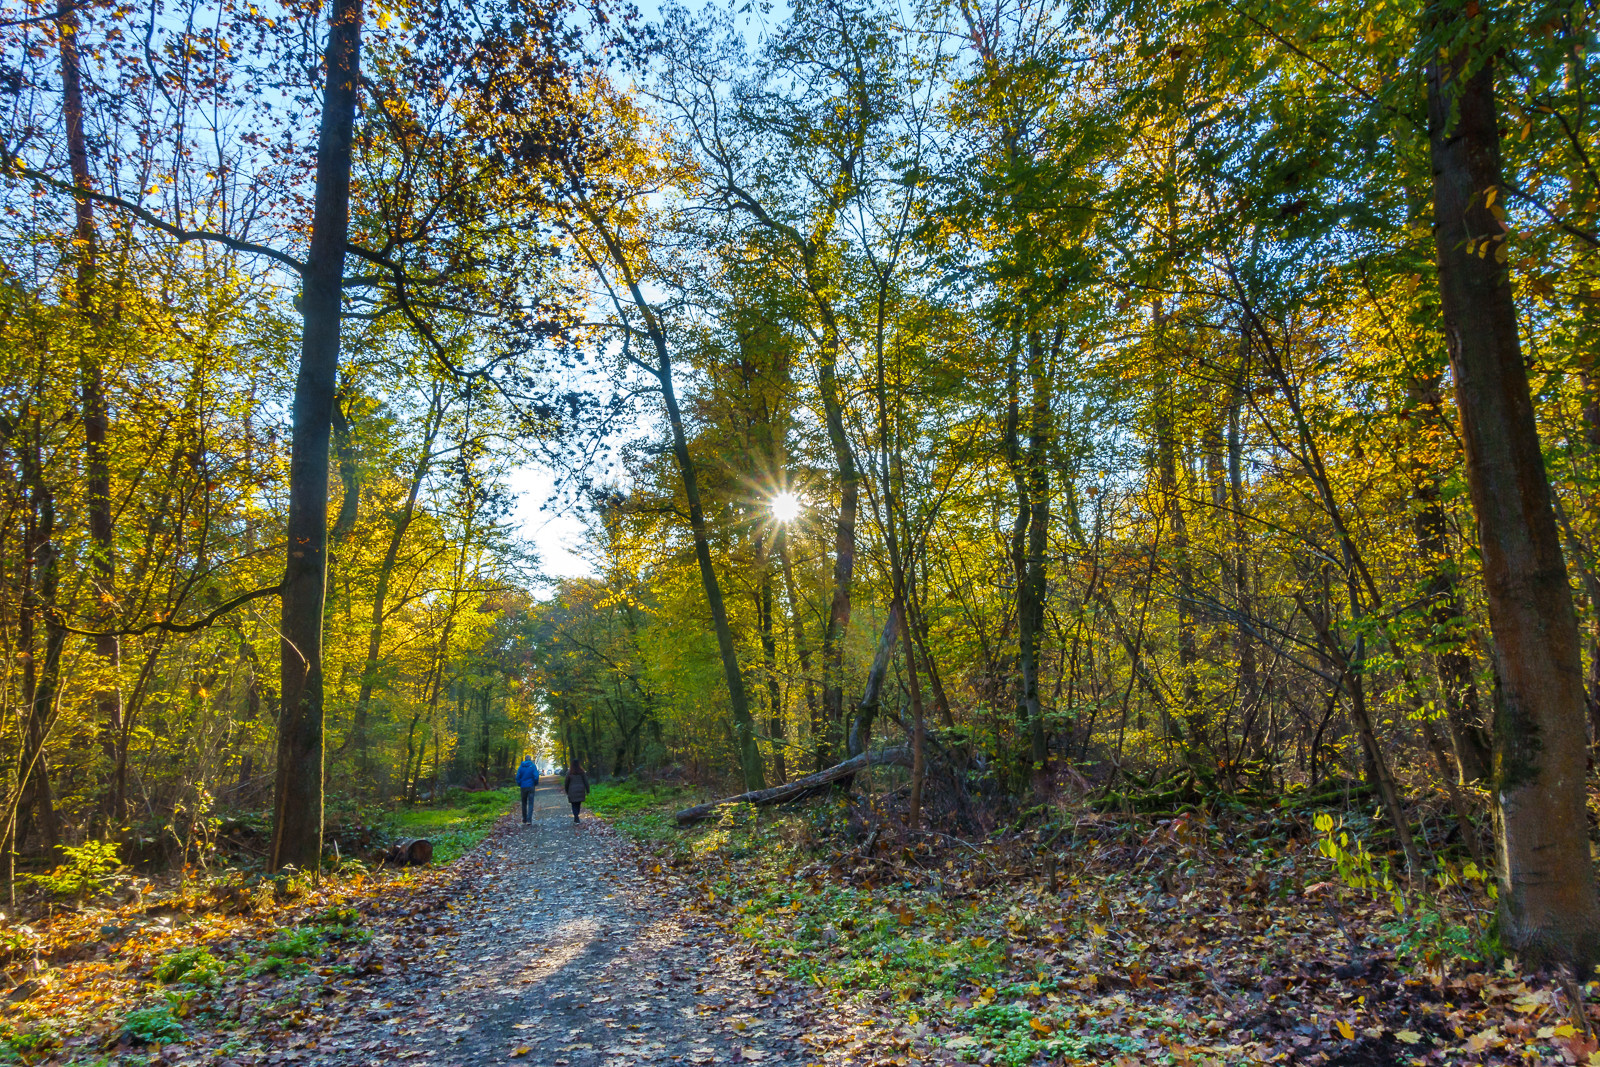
[562,954]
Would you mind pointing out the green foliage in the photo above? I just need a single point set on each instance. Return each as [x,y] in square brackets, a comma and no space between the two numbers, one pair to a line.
[297,942]
[292,949]
[194,965]
[1355,865]
[621,798]
[339,917]
[153,1025]
[458,826]
[87,872]
[27,1043]
[642,811]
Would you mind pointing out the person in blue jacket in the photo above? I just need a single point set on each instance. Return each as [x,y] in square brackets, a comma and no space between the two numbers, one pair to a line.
[528,779]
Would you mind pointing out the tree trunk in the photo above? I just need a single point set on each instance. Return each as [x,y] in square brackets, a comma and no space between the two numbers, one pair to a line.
[1468,739]
[401,522]
[1355,686]
[919,741]
[1167,463]
[344,523]
[40,675]
[1034,586]
[769,663]
[801,647]
[844,542]
[1548,905]
[860,736]
[96,418]
[743,723]
[800,787]
[1249,685]
[1012,446]
[297,798]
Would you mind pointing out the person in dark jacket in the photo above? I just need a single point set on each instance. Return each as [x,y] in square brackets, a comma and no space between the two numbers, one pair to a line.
[576,786]
[528,779]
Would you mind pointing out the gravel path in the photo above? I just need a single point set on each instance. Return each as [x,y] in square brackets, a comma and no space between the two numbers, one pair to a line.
[564,954]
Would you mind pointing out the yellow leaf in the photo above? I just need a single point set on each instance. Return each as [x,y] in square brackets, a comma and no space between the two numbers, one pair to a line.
[1410,1037]
[1345,1029]
[913,1018]
[520,1050]
[1099,931]
[1039,1027]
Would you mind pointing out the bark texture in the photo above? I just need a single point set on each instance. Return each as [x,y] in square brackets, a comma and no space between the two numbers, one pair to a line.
[297,796]
[1548,905]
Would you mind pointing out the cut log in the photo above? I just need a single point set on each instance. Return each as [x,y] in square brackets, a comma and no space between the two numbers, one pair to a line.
[801,787]
[410,853]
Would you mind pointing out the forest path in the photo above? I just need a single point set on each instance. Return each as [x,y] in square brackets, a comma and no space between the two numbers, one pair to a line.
[562,954]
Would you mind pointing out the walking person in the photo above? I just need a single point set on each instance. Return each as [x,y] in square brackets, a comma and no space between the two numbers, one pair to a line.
[528,779]
[576,786]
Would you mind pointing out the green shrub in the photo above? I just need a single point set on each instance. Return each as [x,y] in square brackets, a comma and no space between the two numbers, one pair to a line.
[194,965]
[27,1046]
[291,944]
[153,1025]
[86,873]
[339,917]
[14,945]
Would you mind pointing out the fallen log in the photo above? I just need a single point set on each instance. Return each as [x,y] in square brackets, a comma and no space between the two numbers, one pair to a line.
[798,788]
[416,853]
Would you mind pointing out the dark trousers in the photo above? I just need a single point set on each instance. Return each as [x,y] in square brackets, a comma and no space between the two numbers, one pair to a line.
[527,802]
[576,804]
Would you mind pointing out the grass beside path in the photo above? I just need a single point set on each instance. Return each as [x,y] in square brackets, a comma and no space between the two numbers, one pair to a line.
[456,828]
[212,961]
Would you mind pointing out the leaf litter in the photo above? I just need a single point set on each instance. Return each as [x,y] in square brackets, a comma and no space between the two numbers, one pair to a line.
[775,940]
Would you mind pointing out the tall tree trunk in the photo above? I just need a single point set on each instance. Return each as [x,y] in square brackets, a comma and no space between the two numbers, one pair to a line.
[1167,474]
[1468,738]
[344,448]
[743,722]
[96,417]
[769,664]
[738,701]
[1549,911]
[1011,444]
[400,523]
[802,647]
[1034,586]
[941,702]
[844,542]
[297,797]
[1249,686]
[40,675]
[919,739]
[860,735]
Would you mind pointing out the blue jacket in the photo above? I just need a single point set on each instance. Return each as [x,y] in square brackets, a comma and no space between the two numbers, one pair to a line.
[528,774]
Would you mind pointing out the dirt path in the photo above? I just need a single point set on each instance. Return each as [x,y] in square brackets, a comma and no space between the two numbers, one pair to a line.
[563,954]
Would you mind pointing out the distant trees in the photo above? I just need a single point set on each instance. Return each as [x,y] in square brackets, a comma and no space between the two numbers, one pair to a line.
[187,216]
[1155,431]
[1180,399]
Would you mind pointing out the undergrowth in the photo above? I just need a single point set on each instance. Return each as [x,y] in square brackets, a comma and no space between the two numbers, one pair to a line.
[459,825]
[1190,939]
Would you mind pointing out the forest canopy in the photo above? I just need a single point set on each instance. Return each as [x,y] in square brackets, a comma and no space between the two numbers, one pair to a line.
[1081,404]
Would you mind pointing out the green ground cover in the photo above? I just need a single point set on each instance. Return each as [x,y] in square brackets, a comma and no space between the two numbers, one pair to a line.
[457,826]
[1191,940]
